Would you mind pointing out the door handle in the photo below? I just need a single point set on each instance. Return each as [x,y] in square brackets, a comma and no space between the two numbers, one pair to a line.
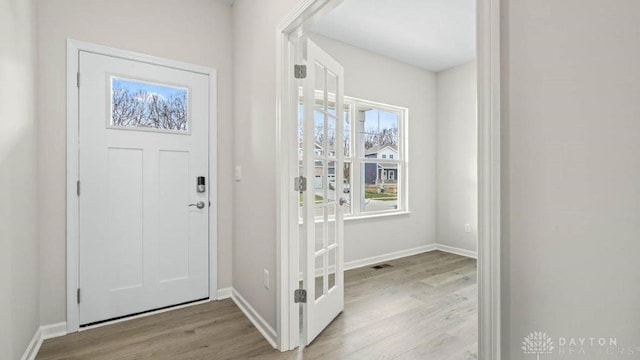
[343,201]
[199,205]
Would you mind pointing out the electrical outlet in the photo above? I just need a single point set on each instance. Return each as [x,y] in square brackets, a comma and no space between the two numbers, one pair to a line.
[467,228]
[266,278]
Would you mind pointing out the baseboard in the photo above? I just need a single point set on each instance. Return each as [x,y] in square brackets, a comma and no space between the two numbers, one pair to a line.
[403,253]
[255,318]
[457,251]
[43,333]
[224,293]
[34,346]
[400,254]
[53,330]
[387,257]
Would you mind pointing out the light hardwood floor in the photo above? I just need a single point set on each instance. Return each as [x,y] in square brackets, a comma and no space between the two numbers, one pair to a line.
[422,307]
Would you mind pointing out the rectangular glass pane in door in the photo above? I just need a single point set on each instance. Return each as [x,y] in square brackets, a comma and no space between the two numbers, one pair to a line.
[320,84]
[331,277]
[332,84]
[141,105]
[320,229]
[319,277]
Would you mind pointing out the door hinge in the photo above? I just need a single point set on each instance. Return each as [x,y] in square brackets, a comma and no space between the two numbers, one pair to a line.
[78,79]
[78,187]
[300,296]
[300,184]
[78,295]
[300,71]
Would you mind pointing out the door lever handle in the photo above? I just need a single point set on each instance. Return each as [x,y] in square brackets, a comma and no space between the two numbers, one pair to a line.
[199,205]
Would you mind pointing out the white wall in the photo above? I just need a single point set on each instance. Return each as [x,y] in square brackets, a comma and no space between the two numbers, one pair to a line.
[194,31]
[457,164]
[19,300]
[254,220]
[377,78]
[571,85]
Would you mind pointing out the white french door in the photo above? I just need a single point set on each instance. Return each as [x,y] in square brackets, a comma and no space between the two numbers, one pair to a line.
[322,157]
[143,218]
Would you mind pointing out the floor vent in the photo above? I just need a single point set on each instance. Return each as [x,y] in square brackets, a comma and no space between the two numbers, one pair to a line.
[381,266]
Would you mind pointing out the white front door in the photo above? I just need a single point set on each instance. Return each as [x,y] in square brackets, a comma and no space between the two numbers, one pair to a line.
[323,156]
[143,140]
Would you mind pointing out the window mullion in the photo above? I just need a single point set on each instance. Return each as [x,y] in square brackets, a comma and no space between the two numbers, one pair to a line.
[355,163]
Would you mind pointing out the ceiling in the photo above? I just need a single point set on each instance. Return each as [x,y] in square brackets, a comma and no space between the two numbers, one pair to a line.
[430,34]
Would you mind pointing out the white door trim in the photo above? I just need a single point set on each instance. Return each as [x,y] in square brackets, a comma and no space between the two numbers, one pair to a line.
[489,186]
[489,157]
[73,49]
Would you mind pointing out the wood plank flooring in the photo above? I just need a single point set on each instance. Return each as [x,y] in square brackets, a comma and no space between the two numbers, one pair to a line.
[422,307]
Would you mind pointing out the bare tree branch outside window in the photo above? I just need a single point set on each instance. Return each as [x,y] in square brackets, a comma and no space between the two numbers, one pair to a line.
[380,137]
[145,105]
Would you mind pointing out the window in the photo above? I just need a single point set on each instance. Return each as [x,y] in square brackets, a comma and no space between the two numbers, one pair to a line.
[374,158]
[139,105]
[379,158]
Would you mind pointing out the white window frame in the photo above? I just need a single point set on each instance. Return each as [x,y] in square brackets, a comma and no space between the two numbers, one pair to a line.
[356,210]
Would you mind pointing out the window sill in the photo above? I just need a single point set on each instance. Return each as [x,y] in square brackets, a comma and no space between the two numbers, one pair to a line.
[368,216]
[376,215]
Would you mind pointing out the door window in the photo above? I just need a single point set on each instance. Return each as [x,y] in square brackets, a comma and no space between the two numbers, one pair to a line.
[143,105]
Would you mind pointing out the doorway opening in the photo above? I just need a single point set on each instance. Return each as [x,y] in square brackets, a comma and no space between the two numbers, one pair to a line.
[294,32]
